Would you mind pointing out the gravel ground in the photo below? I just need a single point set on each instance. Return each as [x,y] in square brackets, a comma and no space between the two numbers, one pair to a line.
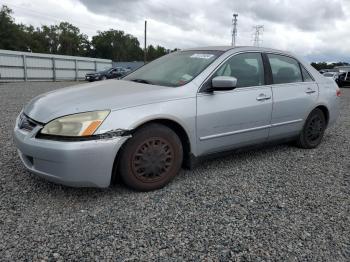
[276,203]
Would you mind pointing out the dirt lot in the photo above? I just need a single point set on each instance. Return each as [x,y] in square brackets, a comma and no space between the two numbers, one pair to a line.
[276,203]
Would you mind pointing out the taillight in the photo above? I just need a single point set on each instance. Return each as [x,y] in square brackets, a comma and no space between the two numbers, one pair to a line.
[338,93]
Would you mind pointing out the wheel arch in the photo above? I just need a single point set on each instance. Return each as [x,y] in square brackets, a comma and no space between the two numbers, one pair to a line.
[176,127]
[173,125]
[325,111]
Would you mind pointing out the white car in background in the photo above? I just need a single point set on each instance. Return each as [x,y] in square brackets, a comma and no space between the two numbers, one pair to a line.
[333,75]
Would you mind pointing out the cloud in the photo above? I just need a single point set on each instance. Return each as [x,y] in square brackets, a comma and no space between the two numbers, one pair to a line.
[305,15]
[137,10]
[312,28]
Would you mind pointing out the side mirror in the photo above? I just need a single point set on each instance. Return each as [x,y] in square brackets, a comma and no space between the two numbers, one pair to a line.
[223,83]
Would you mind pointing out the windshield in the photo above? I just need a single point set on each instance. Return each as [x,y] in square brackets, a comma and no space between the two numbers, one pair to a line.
[175,69]
[105,70]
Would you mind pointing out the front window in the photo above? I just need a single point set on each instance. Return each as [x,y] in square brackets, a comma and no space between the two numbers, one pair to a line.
[175,69]
[247,68]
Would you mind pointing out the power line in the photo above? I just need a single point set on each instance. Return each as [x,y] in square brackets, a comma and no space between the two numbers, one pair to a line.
[258,34]
[234,29]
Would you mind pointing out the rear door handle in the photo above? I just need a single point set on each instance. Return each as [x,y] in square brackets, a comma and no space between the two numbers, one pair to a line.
[263,97]
[310,91]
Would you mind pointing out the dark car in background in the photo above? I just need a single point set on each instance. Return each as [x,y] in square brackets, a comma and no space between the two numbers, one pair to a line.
[344,79]
[114,72]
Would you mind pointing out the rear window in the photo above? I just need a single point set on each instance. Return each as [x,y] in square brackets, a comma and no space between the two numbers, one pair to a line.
[328,74]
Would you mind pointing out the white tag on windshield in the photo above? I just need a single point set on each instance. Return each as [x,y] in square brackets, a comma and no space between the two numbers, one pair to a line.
[202,56]
[186,77]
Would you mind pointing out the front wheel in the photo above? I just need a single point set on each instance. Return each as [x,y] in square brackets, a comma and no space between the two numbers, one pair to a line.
[313,130]
[151,158]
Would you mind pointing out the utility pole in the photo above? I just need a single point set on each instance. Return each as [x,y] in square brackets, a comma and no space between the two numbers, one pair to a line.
[234,29]
[257,34]
[145,49]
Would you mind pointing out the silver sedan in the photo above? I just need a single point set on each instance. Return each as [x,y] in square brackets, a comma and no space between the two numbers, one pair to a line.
[174,112]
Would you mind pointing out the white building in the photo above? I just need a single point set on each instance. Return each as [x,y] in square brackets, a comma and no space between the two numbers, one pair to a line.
[26,66]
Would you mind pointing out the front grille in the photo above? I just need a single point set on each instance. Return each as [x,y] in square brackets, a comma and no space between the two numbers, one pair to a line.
[26,123]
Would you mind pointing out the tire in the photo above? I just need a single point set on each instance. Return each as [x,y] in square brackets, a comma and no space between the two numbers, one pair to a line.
[151,158]
[313,130]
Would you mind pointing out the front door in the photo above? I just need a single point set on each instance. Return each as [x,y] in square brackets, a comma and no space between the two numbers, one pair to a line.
[230,119]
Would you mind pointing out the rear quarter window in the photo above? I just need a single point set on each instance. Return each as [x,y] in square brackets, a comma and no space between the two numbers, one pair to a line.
[306,75]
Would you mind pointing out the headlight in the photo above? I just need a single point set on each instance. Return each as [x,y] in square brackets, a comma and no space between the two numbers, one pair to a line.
[82,124]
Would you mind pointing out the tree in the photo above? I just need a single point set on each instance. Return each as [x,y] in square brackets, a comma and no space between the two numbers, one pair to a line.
[154,53]
[116,45]
[71,41]
[41,40]
[323,65]
[11,34]
[66,39]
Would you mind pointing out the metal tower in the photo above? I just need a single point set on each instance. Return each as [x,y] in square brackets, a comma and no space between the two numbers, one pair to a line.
[234,29]
[257,34]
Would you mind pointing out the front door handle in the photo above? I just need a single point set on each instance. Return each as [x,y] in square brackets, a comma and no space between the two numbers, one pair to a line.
[263,97]
[310,91]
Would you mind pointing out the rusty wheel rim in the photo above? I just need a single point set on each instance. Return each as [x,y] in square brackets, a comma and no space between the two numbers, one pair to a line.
[152,160]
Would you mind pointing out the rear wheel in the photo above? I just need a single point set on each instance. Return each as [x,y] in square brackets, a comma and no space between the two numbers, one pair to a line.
[313,131]
[151,158]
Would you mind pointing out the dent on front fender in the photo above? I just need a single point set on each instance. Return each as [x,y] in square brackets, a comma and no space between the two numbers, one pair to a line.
[115,133]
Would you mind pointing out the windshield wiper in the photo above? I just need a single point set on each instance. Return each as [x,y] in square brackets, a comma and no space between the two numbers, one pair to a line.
[141,81]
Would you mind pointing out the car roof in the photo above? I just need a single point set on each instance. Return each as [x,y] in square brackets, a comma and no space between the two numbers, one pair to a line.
[237,48]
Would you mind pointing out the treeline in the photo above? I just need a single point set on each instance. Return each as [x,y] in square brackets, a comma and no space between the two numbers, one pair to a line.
[323,65]
[66,39]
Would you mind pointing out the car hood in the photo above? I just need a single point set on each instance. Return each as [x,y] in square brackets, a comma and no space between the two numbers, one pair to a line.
[110,94]
[98,72]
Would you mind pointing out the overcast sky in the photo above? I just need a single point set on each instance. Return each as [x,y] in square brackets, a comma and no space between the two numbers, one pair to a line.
[315,29]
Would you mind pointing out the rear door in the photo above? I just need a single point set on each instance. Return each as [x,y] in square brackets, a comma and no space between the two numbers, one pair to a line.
[294,95]
[229,119]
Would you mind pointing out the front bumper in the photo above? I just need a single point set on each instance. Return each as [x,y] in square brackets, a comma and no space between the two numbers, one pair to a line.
[77,164]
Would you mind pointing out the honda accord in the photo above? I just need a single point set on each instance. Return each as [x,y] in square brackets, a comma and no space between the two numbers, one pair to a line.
[173,112]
